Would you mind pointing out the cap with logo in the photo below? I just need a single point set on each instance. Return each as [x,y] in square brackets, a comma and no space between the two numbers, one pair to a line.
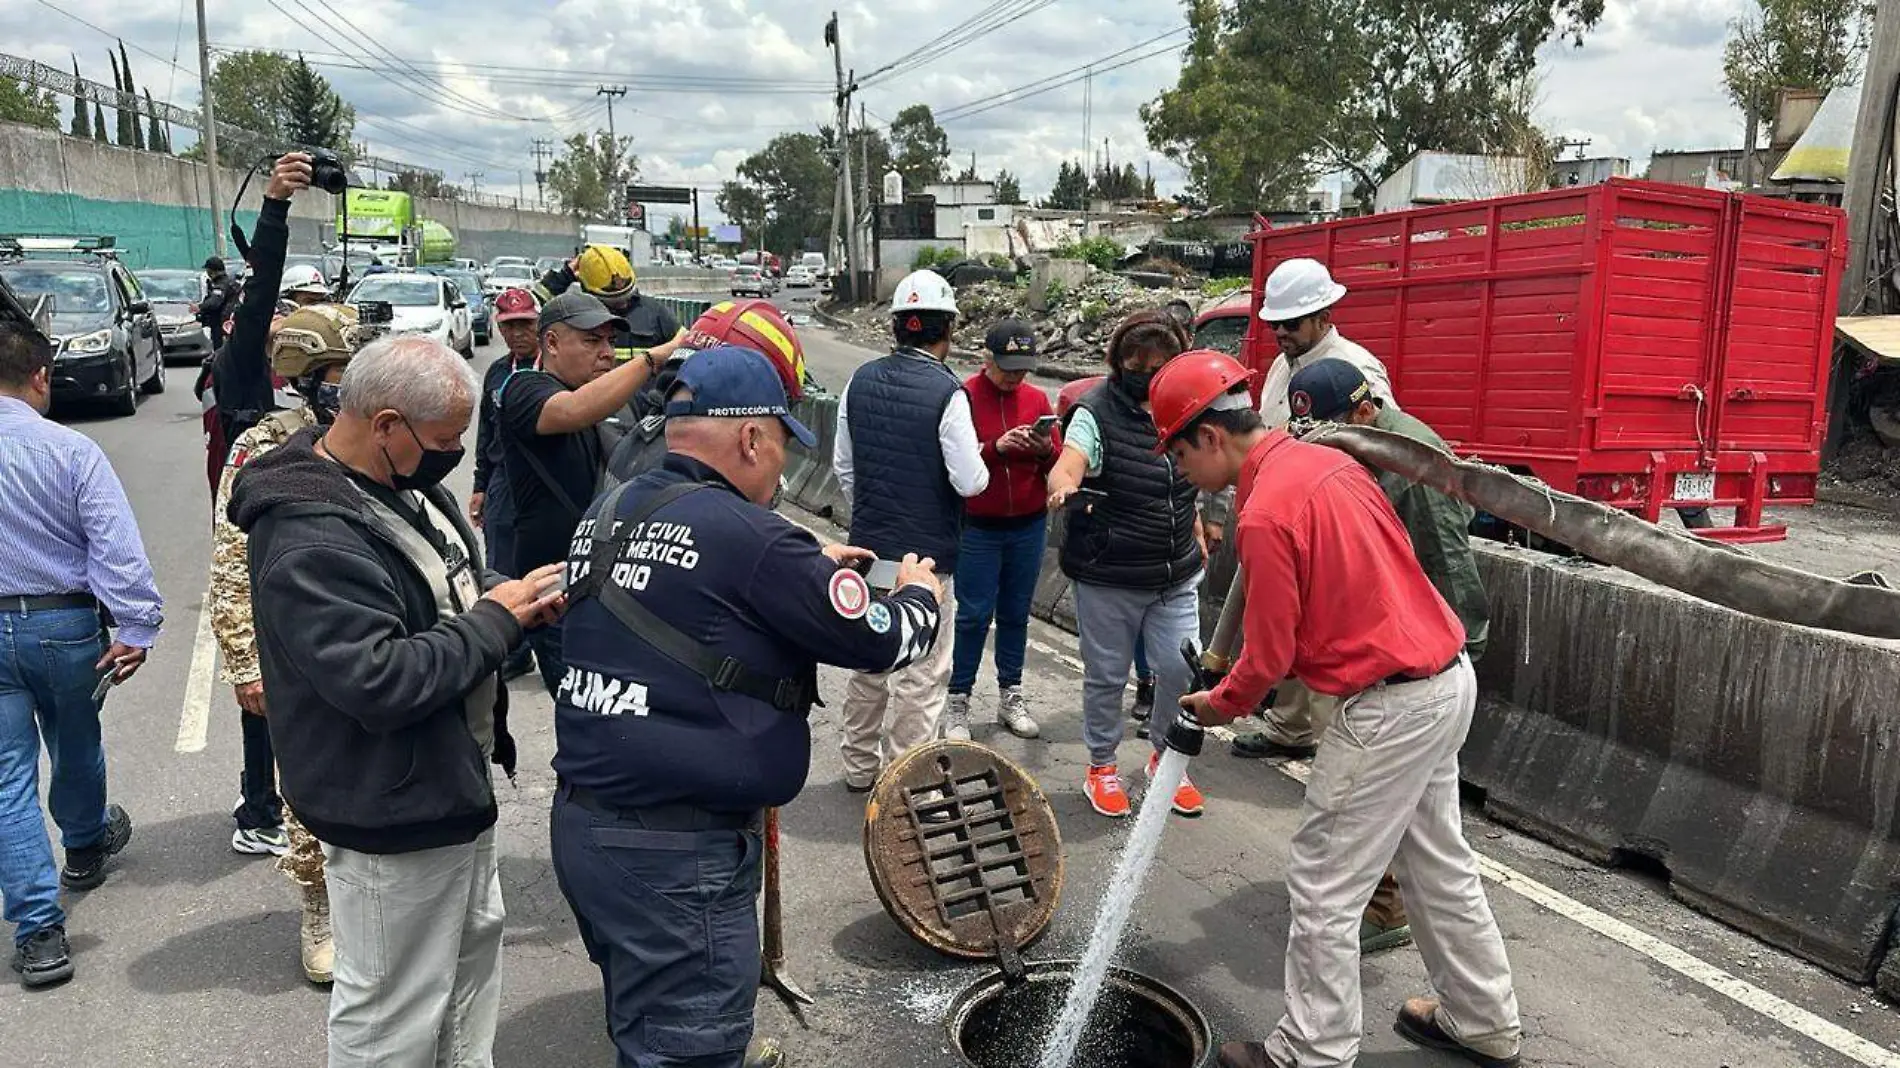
[1327,389]
[513,304]
[578,309]
[729,382]
[1012,345]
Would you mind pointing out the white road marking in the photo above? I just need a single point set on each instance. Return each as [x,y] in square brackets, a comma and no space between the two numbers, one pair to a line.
[1683,963]
[195,721]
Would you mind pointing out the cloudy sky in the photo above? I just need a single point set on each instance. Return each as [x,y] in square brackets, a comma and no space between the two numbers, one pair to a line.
[466,86]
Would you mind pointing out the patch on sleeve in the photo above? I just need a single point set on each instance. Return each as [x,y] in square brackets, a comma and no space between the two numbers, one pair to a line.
[850,596]
[879,619]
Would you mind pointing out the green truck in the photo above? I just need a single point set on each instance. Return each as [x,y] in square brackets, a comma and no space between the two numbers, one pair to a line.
[384,223]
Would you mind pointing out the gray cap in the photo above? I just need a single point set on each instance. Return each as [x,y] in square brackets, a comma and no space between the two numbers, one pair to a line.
[579,309]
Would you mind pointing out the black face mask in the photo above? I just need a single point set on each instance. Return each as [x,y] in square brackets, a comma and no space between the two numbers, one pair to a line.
[434,467]
[1135,384]
[324,398]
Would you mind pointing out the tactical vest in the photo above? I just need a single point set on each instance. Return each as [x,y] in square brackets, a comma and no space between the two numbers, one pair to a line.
[901,497]
[1142,536]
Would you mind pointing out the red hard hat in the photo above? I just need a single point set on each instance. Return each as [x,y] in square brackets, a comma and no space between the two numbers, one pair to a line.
[755,325]
[1187,385]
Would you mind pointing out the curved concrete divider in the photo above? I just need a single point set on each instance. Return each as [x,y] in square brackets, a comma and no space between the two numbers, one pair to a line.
[1756,760]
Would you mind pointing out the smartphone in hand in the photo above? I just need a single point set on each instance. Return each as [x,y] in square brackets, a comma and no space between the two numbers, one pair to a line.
[1045,426]
[881,575]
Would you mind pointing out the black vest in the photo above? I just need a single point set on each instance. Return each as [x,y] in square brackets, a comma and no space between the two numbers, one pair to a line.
[901,497]
[1142,536]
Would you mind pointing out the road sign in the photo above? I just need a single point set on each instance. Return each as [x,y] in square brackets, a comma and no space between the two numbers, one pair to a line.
[660,194]
[636,214]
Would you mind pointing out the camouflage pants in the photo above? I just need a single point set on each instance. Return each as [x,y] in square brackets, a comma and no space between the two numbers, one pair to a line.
[304,862]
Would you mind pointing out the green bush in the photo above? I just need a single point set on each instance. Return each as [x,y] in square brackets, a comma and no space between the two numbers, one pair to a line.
[929,256]
[1102,253]
[1056,292]
[1220,287]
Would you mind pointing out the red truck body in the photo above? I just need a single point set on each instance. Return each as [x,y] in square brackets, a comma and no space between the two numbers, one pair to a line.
[1645,345]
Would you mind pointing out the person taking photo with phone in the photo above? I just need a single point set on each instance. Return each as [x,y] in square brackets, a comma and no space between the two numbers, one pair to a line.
[1004,528]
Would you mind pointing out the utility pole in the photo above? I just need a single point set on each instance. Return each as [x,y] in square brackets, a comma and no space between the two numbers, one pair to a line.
[613,148]
[543,148]
[210,132]
[1088,144]
[844,158]
[1865,178]
[695,222]
[474,181]
[869,234]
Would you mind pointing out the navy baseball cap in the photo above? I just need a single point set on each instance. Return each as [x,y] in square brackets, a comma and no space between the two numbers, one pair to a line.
[1326,389]
[1012,344]
[729,382]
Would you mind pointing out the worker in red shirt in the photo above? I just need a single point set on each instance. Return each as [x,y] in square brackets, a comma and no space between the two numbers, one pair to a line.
[1337,600]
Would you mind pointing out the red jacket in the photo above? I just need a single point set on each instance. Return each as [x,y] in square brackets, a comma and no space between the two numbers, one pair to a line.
[1019,483]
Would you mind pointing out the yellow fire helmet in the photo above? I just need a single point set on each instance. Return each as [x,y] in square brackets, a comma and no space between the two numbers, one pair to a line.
[605,272]
[314,336]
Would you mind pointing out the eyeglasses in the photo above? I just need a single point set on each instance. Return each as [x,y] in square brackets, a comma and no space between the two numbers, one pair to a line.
[1288,326]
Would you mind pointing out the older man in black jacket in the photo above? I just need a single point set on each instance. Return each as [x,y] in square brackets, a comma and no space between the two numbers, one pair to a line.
[380,652]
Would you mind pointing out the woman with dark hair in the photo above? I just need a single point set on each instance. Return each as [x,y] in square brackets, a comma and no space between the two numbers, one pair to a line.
[1133,549]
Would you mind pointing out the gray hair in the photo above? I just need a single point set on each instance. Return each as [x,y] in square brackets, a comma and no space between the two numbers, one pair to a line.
[410,373]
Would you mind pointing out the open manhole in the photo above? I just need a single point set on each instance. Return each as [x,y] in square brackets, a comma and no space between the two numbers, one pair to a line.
[966,856]
[1138,1023]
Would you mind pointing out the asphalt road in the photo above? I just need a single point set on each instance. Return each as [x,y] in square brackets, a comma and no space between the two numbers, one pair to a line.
[187,955]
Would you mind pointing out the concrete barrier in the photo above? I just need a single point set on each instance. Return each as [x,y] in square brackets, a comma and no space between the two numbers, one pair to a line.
[1757,761]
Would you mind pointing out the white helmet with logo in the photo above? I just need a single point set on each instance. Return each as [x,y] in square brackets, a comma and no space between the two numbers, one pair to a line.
[924,291]
[1298,288]
[303,278]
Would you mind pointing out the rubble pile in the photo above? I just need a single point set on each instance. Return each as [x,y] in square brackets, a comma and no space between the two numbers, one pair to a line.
[1073,331]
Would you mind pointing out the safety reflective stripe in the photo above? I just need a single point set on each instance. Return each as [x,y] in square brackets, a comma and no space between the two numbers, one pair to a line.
[768,331]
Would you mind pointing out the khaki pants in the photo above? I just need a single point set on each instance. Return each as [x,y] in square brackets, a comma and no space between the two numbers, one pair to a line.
[418,956]
[1299,716]
[1384,792]
[886,716]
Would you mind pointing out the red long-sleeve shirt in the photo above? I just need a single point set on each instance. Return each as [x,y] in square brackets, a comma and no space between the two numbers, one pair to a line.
[1019,484]
[1335,596]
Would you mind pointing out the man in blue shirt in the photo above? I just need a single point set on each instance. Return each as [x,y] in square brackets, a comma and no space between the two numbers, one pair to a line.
[697,619]
[70,557]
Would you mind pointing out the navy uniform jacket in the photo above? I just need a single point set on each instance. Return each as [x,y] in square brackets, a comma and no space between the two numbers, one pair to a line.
[637,728]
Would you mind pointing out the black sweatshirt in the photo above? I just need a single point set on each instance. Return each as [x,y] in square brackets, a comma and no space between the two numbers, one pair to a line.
[241,370]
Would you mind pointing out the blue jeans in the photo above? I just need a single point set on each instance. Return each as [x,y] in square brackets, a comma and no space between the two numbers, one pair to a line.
[46,684]
[669,918]
[996,577]
[1142,670]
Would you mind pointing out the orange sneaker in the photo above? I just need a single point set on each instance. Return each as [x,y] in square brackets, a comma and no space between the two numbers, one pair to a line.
[1187,797]
[1104,790]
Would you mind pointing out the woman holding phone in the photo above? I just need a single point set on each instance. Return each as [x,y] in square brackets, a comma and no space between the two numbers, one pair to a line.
[1004,527]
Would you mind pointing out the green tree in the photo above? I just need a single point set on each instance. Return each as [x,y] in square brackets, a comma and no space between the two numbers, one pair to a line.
[121,133]
[82,122]
[745,205]
[99,124]
[796,179]
[1793,44]
[920,147]
[1377,82]
[253,91]
[160,138]
[1009,188]
[1071,191]
[26,102]
[129,101]
[424,184]
[313,113]
[590,177]
[1116,183]
[676,231]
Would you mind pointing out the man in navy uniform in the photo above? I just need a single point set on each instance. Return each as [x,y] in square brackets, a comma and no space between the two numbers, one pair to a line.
[698,618]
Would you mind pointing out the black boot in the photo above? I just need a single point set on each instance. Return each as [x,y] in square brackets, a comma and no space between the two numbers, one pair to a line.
[44,958]
[1144,699]
[86,868]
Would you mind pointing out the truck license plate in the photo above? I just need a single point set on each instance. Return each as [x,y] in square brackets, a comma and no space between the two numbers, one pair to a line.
[1695,486]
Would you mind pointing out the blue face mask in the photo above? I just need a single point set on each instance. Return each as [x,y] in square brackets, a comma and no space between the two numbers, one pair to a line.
[328,401]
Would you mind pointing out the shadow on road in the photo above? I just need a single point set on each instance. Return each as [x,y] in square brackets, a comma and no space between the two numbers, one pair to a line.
[566,1029]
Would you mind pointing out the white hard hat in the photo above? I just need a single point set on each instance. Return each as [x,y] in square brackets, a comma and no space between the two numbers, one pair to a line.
[924,291]
[1298,288]
[303,278]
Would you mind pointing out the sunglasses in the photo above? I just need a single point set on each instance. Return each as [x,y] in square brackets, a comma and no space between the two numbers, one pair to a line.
[1288,326]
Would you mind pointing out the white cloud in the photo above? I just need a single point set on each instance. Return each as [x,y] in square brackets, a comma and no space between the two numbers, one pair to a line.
[1648,77]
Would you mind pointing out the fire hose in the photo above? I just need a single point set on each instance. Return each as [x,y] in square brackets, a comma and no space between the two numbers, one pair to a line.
[1702,569]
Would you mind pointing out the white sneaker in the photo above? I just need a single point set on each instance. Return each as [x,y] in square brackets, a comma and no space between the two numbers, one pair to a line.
[1012,711]
[956,717]
[267,842]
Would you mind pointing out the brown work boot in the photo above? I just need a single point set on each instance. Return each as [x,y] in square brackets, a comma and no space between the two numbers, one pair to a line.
[1245,1055]
[318,950]
[1418,1022]
[764,1052]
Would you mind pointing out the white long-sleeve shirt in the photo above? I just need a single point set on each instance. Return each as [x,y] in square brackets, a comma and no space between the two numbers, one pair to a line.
[1273,403]
[956,436]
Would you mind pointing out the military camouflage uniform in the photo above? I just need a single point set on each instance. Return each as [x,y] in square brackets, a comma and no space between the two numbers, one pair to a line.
[231,610]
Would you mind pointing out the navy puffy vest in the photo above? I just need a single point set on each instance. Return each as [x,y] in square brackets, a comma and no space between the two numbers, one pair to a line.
[901,497]
[1142,536]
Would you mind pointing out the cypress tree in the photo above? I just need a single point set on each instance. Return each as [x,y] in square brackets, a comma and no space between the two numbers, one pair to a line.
[82,126]
[132,98]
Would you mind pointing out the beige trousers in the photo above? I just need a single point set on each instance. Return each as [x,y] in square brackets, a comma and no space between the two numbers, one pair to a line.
[887,715]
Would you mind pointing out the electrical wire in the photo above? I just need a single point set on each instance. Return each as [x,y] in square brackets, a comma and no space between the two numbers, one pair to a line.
[114,36]
[1060,79]
[541,75]
[983,23]
[440,86]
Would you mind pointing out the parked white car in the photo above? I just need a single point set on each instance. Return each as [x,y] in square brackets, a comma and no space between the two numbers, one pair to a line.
[800,277]
[423,304]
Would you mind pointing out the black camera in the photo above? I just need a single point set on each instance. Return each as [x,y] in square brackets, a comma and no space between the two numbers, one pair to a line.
[375,312]
[327,172]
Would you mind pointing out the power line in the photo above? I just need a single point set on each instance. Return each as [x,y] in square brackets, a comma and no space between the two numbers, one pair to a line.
[983,23]
[114,36]
[541,75]
[439,86]
[1060,79]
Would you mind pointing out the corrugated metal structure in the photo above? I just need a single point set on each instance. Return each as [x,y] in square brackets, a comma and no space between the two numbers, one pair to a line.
[1646,345]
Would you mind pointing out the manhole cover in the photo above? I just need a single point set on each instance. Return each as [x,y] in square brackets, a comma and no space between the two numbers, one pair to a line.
[1139,1021]
[964,851]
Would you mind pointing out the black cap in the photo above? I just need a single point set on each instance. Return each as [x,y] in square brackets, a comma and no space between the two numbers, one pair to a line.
[1326,389]
[1012,344]
[214,265]
[579,309]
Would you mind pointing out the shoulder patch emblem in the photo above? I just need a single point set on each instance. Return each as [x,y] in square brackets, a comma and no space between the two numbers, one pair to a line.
[850,596]
[879,619]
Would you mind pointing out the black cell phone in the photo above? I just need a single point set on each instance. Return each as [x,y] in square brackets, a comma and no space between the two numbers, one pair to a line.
[1046,425]
[1086,498]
